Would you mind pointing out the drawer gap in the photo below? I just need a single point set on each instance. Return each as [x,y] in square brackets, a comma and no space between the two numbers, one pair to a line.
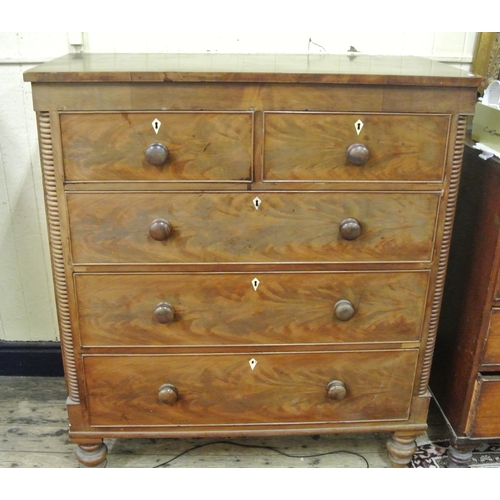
[490,374]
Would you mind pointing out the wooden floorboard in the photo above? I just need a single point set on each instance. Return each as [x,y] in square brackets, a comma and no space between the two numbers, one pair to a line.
[34,434]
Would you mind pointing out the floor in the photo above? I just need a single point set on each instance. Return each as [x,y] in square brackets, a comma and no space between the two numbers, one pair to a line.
[34,433]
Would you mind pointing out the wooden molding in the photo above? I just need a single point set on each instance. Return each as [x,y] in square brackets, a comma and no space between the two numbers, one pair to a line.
[56,248]
[445,250]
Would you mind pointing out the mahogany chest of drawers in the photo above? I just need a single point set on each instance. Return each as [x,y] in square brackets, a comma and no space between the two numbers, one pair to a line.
[466,373]
[249,245]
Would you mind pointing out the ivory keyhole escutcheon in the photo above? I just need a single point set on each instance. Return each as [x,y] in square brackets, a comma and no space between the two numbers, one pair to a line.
[252,363]
[359,126]
[156,125]
[255,283]
[257,202]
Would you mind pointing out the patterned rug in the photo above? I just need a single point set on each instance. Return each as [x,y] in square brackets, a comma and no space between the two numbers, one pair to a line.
[433,456]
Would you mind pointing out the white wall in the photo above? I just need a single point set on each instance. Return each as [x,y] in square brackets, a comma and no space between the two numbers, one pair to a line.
[27,311]
[447,46]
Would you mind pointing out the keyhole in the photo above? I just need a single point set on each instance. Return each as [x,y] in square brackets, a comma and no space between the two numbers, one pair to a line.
[156,125]
[358,126]
[257,202]
[255,283]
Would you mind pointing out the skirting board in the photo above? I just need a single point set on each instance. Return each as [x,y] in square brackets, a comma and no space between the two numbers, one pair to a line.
[31,359]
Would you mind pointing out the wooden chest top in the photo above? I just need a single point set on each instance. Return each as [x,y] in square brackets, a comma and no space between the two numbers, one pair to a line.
[285,68]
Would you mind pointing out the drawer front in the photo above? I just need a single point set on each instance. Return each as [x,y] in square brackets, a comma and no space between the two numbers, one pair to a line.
[226,227]
[492,352]
[313,146]
[200,146]
[486,421]
[224,389]
[225,309]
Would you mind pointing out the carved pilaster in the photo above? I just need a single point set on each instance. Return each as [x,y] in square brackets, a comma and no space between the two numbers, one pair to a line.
[443,255]
[56,249]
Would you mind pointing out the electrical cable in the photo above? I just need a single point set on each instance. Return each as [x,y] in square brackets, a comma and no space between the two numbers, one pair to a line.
[231,443]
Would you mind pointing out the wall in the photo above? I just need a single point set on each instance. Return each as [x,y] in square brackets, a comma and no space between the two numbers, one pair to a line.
[27,311]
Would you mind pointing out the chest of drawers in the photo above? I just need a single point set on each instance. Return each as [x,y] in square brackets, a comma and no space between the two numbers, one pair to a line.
[465,379]
[249,245]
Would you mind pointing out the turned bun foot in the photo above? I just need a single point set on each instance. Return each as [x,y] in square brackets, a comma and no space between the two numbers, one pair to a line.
[459,458]
[401,448]
[92,455]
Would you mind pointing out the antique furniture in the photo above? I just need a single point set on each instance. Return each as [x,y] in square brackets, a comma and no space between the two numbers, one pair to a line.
[466,372]
[249,245]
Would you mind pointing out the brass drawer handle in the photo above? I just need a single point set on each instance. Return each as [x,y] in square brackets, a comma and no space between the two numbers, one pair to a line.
[344,310]
[156,154]
[350,229]
[160,229]
[336,390]
[164,313]
[358,154]
[168,394]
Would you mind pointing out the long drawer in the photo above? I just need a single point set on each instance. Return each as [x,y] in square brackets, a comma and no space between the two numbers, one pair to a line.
[244,309]
[182,146]
[252,227]
[316,147]
[249,388]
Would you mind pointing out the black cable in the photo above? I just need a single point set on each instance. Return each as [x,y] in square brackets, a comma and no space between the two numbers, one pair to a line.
[263,448]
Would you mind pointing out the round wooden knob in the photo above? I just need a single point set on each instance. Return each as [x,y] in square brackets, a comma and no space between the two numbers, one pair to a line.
[164,313]
[336,390]
[344,310]
[168,394]
[350,229]
[358,154]
[156,154]
[160,229]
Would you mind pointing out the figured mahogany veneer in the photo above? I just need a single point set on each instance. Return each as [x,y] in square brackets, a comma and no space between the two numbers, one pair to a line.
[196,146]
[218,388]
[394,147]
[249,245]
[288,308]
[226,227]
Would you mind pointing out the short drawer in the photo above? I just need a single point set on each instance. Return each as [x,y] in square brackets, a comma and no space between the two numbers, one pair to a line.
[316,147]
[485,414]
[247,309]
[252,388]
[227,227]
[491,355]
[182,146]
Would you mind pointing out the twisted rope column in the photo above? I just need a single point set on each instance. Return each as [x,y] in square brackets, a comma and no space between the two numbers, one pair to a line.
[56,248]
[445,249]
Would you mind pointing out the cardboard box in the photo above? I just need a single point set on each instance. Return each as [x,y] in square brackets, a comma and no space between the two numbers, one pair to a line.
[486,126]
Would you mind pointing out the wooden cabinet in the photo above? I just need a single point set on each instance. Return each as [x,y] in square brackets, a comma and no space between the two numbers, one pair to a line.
[466,381]
[249,244]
